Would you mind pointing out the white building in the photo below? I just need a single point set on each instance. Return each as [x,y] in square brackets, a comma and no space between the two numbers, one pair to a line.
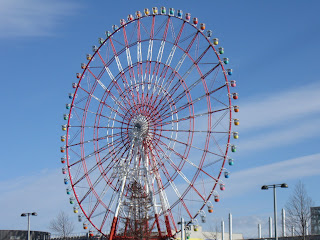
[200,235]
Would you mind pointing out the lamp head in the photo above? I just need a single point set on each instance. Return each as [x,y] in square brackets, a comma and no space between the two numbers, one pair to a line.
[264,187]
[23,215]
[284,185]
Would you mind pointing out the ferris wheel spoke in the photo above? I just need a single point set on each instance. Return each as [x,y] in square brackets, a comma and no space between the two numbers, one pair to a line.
[123,77]
[76,114]
[150,48]
[107,186]
[217,144]
[88,172]
[158,160]
[185,76]
[104,219]
[95,67]
[97,78]
[162,195]
[74,152]
[178,170]
[190,184]
[77,172]
[188,145]
[94,209]
[100,115]
[129,60]
[184,159]
[187,37]
[103,192]
[157,89]
[172,30]
[75,135]
[196,50]
[200,80]
[97,215]
[190,103]
[171,182]
[96,139]
[123,108]
[219,120]
[192,42]
[122,103]
[160,27]
[212,179]
[139,60]
[210,164]
[145,28]
[219,101]
[93,75]
[113,79]
[80,100]
[111,165]
[79,126]
[179,155]
[91,216]
[91,188]
[160,53]
[133,32]
[181,200]
[101,149]
[119,41]
[175,189]
[179,64]
[190,131]
[214,78]
[193,116]
[171,55]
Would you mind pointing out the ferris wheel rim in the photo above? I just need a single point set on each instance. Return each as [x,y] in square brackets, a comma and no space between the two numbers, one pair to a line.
[203,158]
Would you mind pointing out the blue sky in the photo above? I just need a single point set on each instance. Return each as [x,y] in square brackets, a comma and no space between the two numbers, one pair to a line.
[273,48]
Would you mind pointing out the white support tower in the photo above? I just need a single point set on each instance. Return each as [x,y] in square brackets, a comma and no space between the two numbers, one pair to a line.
[222,230]
[283,223]
[270,227]
[259,230]
[230,226]
[135,171]
[183,237]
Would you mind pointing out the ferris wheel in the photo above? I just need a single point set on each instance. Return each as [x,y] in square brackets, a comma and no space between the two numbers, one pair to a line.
[148,128]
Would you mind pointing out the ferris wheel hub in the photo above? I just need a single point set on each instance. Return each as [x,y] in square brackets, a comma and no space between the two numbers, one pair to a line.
[140,128]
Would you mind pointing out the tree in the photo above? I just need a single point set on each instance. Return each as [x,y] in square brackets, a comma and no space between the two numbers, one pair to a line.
[298,210]
[213,231]
[62,225]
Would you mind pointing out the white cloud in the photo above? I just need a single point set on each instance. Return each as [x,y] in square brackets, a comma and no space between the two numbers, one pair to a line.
[248,225]
[43,193]
[277,138]
[241,182]
[20,18]
[264,111]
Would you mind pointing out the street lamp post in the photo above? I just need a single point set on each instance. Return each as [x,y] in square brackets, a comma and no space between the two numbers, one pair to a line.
[184,227]
[274,186]
[28,215]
